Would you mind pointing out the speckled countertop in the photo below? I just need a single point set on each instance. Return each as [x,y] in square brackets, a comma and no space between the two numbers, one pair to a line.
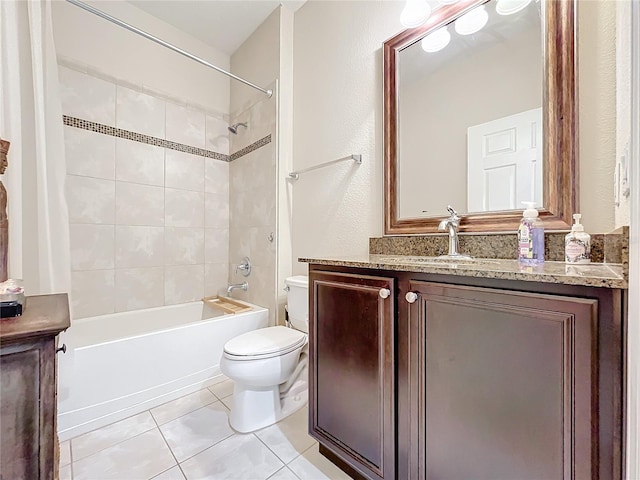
[605,275]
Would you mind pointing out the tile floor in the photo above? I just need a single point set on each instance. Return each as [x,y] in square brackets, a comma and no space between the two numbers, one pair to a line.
[190,438]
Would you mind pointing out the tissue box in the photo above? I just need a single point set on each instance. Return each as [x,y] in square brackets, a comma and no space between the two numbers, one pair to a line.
[10,309]
[11,298]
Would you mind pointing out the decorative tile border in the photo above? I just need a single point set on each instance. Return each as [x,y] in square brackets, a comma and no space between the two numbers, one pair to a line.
[159,142]
[248,149]
[139,137]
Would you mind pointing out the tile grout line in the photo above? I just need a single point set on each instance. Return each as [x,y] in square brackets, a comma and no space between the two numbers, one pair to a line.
[117,443]
[284,464]
[185,414]
[167,444]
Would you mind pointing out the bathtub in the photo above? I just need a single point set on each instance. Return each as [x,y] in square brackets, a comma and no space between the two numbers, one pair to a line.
[125,363]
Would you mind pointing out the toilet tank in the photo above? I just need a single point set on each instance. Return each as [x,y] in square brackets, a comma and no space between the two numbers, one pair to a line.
[298,302]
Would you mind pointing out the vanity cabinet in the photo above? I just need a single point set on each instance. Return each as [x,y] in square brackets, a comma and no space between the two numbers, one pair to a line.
[453,377]
[28,438]
[505,383]
[352,387]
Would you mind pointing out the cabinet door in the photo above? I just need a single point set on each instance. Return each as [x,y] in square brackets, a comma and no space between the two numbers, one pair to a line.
[27,410]
[506,384]
[352,373]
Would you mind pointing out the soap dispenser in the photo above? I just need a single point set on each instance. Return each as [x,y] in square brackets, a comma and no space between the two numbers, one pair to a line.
[530,237]
[577,243]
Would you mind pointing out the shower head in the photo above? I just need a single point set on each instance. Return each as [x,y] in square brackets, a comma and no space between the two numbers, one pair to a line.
[234,128]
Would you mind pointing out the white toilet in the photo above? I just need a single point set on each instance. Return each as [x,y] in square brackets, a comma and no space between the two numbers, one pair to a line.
[265,363]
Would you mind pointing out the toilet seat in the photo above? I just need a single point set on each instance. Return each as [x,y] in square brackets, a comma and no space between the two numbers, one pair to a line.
[264,343]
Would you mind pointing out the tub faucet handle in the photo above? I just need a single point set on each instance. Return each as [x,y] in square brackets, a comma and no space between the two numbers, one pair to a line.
[244,267]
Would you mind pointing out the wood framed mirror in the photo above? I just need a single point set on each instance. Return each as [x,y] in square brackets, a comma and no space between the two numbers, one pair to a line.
[557,148]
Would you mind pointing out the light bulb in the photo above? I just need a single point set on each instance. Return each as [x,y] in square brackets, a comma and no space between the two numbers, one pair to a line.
[415,13]
[436,41]
[509,7]
[472,22]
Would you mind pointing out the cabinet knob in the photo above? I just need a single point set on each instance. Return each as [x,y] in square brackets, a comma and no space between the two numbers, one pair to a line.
[384,292]
[411,297]
[62,349]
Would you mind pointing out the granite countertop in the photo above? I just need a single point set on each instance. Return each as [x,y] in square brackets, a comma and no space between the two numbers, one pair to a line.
[605,275]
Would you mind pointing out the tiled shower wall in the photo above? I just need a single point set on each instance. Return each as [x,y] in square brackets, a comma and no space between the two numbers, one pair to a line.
[149,223]
[252,202]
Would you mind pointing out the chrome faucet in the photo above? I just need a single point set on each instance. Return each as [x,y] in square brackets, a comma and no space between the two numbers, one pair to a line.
[451,224]
[233,286]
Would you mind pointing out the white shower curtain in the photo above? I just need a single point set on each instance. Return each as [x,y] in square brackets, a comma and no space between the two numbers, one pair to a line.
[31,119]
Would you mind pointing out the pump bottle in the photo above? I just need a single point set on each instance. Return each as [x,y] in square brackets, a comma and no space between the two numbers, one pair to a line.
[577,243]
[530,237]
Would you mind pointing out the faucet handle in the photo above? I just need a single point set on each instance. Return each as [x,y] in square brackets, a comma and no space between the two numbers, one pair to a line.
[453,213]
[244,267]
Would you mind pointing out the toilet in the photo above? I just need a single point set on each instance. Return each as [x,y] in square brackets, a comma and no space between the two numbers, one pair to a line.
[268,366]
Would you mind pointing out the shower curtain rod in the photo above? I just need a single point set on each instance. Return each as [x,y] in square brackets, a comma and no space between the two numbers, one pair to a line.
[168,45]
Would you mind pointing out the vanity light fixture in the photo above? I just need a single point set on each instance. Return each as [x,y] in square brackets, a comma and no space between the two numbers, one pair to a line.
[436,41]
[472,22]
[509,7]
[415,13]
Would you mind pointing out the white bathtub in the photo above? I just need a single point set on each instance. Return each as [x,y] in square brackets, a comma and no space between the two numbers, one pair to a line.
[122,364]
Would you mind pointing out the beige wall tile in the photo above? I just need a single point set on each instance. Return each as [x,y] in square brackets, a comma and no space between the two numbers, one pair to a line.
[139,246]
[217,135]
[138,288]
[92,246]
[183,283]
[216,278]
[183,170]
[184,246]
[184,125]
[91,200]
[216,245]
[139,162]
[92,293]
[139,112]
[89,154]
[139,204]
[87,97]
[183,208]
[216,211]
[216,176]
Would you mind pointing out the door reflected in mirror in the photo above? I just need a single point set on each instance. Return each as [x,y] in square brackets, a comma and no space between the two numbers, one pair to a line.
[469,114]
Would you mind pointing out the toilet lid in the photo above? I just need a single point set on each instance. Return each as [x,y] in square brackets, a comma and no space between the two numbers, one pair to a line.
[265,342]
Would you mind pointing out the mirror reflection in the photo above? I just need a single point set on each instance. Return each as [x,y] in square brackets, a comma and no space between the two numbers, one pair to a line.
[470,113]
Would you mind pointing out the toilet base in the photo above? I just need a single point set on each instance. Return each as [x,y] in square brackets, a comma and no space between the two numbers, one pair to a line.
[254,408]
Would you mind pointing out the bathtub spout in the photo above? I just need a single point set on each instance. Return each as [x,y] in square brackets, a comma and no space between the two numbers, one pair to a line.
[232,286]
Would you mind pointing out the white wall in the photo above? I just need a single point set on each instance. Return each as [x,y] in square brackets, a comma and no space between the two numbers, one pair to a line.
[597,113]
[258,61]
[623,110]
[338,111]
[82,38]
[337,79]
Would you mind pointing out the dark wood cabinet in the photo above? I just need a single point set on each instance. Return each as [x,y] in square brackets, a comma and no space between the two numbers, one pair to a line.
[505,383]
[456,378]
[351,412]
[28,438]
